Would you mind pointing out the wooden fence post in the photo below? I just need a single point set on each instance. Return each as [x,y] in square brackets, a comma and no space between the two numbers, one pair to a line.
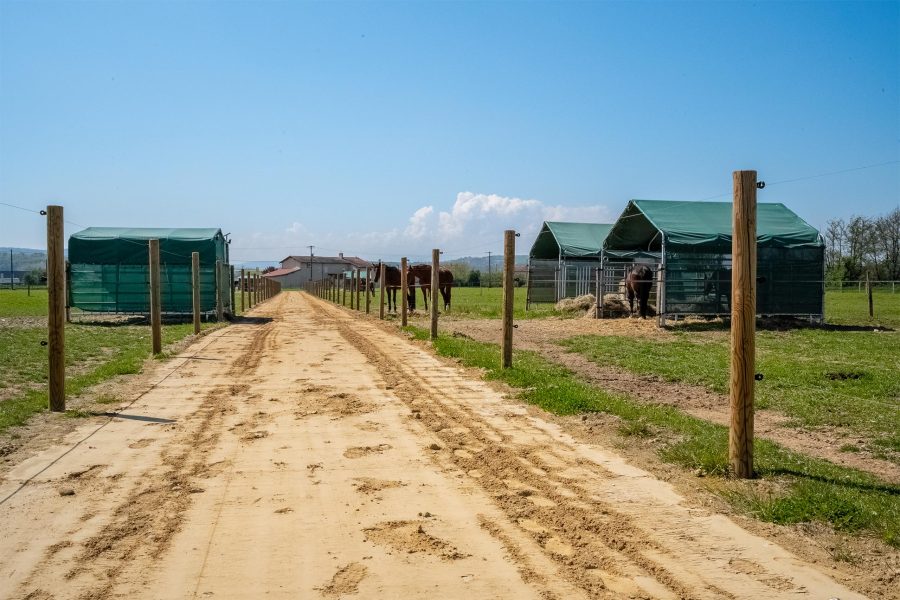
[368,283]
[56,299]
[869,294]
[404,291]
[356,288]
[218,290]
[155,310]
[231,306]
[242,284]
[195,289]
[743,324]
[381,291]
[509,266]
[435,266]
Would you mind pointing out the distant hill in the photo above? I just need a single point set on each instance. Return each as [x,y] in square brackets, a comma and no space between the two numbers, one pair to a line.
[480,263]
[23,259]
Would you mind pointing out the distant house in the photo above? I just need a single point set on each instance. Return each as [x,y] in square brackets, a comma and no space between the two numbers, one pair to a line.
[295,271]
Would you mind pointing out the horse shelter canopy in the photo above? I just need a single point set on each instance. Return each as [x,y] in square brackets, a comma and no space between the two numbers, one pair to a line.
[563,260]
[109,269]
[693,242]
[706,225]
[558,240]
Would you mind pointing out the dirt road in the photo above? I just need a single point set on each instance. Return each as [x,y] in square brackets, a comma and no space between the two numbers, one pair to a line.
[307,454]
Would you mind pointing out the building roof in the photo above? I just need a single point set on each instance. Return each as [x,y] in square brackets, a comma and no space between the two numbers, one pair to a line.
[645,223]
[331,260]
[281,272]
[574,240]
[128,245]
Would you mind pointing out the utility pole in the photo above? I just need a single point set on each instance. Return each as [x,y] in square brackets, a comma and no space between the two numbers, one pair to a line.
[310,261]
[12,284]
[489,269]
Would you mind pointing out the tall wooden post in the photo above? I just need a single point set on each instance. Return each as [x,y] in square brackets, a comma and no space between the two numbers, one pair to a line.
[381,291]
[195,289]
[404,292]
[356,287]
[509,266]
[869,294]
[243,283]
[218,290]
[343,289]
[231,305]
[368,283]
[56,321]
[352,288]
[435,282]
[743,323]
[155,310]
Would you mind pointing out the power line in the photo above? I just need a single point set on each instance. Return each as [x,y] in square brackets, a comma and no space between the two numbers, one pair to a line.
[808,177]
[21,208]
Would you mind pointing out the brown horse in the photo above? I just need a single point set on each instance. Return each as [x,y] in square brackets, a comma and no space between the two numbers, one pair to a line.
[637,284]
[423,274]
[718,285]
[391,283]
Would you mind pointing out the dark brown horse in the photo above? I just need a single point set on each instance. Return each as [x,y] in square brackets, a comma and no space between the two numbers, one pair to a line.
[718,285]
[422,273]
[391,284]
[637,284]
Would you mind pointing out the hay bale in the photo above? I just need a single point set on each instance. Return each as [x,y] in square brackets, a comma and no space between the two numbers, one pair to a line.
[579,304]
[617,306]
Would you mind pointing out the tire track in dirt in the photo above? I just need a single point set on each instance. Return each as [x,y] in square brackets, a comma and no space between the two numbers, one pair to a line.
[568,503]
[143,524]
[590,544]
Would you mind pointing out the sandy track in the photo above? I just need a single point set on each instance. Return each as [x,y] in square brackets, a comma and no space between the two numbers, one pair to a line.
[318,456]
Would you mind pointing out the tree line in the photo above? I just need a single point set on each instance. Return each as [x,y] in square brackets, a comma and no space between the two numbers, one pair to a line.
[863,246]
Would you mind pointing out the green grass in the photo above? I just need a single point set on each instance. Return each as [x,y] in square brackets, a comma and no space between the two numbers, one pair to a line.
[94,353]
[18,303]
[486,303]
[474,303]
[810,489]
[802,371]
[851,307]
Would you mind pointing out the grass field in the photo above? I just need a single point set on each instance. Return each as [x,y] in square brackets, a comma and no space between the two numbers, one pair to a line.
[851,307]
[808,489]
[817,377]
[18,302]
[477,303]
[94,353]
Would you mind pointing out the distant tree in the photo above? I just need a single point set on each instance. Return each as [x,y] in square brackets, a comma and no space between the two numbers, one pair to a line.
[35,277]
[269,270]
[863,246]
[474,278]
[460,271]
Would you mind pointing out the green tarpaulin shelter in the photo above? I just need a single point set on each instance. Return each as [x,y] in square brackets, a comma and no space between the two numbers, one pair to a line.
[693,243]
[109,269]
[563,260]
[690,225]
[569,240]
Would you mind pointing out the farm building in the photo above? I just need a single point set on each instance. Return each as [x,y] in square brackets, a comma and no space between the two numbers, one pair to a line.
[109,269]
[563,260]
[316,268]
[292,277]
[691,243]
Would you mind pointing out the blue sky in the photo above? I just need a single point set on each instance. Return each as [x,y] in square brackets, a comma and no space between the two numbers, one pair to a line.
[389,129]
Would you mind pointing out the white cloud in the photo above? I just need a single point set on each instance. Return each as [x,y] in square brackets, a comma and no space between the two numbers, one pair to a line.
[473,225]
